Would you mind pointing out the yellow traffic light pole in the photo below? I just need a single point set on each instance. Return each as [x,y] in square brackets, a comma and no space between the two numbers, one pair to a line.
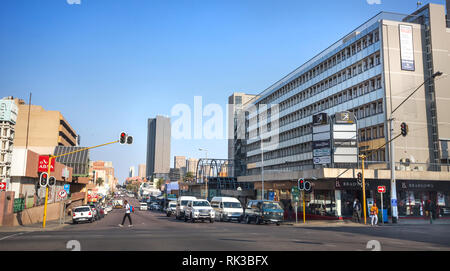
[363,157]
[51,157]
[304,208]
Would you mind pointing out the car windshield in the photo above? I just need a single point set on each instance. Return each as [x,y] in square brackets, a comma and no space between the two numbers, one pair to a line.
[82,209]
[271,205]
[184,202]
[200,203]
[143,204]
[232,205]
[172,204]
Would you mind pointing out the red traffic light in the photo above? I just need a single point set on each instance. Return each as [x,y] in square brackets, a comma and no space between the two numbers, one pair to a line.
[123,138]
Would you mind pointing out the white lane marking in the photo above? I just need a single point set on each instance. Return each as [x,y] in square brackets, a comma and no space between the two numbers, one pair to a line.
[20,233]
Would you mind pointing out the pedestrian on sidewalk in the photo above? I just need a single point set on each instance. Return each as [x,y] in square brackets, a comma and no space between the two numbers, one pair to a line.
[127,214]
[374,214]
[357,210]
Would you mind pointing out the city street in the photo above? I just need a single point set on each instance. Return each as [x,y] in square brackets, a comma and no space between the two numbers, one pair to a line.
[154,231]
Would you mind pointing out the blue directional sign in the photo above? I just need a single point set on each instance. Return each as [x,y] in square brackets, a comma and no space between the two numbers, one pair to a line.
[67,188]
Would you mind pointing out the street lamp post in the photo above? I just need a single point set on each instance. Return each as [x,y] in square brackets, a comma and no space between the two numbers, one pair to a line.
[206,179]
[394,208]
[262,166]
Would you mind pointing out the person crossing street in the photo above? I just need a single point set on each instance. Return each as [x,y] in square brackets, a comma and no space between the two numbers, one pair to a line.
[127,214]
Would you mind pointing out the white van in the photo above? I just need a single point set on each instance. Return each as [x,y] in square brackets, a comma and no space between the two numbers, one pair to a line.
[227,208]
[181,206]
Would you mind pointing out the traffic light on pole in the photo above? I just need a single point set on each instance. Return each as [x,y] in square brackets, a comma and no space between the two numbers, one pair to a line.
[307,187]
[359,179]
[404,129]
[129,140]
[123,138]
[43,179]
[301,185]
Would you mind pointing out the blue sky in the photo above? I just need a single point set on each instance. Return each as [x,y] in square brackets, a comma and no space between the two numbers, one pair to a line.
[109,65]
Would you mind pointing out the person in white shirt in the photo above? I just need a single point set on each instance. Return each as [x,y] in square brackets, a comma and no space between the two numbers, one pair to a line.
[127,214]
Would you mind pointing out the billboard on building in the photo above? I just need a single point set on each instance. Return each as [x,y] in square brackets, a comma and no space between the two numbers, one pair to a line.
[407,47]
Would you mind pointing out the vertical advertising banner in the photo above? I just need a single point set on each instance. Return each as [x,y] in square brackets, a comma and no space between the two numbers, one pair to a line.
[407,47]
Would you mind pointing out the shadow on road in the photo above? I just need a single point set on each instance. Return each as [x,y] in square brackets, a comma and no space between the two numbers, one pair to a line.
[435,235]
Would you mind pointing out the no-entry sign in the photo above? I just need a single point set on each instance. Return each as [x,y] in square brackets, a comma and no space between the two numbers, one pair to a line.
[381,189]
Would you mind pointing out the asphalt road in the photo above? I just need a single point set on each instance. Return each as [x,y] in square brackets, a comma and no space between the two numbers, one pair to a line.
[153,231]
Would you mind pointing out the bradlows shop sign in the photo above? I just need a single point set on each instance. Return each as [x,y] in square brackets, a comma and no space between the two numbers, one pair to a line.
[423,185]
[352,184]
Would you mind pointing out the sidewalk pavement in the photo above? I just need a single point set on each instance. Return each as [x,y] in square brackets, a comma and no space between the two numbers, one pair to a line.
[349,223]
[49,226]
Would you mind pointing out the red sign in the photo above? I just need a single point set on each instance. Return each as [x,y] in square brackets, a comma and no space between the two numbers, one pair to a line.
[2,186]
[43,164]
[381,189]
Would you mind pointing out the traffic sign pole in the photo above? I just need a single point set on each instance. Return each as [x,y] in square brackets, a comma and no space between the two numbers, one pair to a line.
[382,210]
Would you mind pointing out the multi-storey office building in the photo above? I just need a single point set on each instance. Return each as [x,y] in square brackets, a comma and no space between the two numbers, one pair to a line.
[236,147]
[158,147]
[370,72]
[8,117]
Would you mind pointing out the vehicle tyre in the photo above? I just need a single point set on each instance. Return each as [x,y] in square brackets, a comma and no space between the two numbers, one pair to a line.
[257,220]
[239,220]
[278,224]
[220,218]
[192,219]
[168,215]
[75,222]
[247,220]
[185,219]
[211,220]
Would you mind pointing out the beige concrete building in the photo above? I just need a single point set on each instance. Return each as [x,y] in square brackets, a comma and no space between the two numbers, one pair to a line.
[369,73]
[192,165]
[46,129]
[141,171]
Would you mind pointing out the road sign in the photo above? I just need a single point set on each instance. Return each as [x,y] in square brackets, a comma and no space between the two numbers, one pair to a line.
[67,188]
[381,189]
[43,164]
[62,194]
[2,186]
[322,160]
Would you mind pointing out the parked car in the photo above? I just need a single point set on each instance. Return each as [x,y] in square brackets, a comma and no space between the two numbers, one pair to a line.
[82,213]
[263,211]
[143,206]
[199,209]
[171,208]
[181,205]
[227,209]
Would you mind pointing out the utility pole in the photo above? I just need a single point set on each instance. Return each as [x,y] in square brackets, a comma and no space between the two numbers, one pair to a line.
[394,208]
